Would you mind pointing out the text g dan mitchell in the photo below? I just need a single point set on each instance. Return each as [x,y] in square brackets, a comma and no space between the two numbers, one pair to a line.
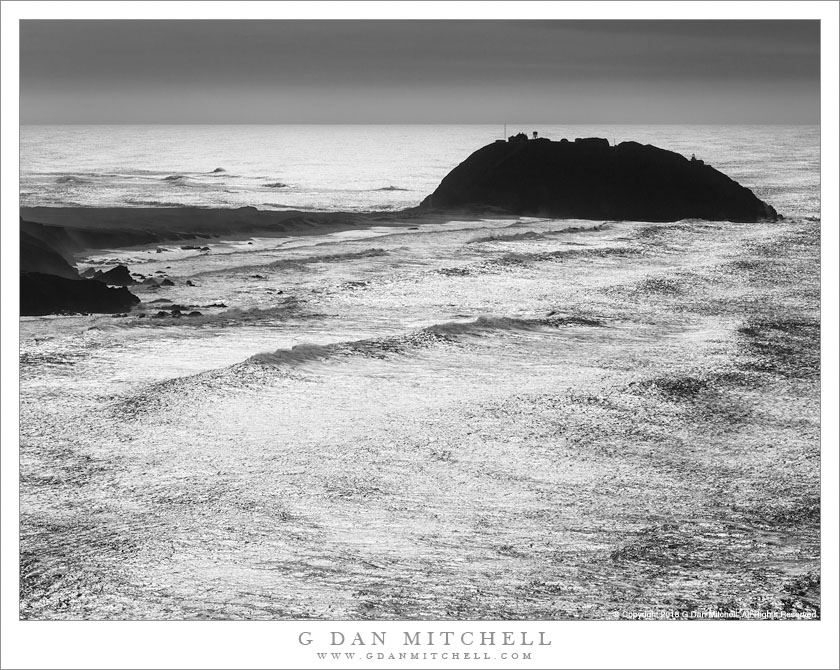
[430,638]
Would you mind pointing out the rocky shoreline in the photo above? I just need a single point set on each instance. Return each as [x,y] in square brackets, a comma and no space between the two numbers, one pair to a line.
[584,179]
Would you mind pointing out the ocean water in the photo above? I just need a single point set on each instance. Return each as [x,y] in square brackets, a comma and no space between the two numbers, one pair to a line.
[472,419]
[348,168]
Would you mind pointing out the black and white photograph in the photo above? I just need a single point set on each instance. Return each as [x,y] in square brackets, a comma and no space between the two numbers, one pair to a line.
[467,326]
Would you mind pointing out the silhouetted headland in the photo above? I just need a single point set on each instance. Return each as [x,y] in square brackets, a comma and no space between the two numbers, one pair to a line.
[589,179]
[49,282]
[51,236]
[49,294]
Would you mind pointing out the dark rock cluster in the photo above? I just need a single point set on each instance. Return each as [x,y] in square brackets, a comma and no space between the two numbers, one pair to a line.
[49,284]
[50,294]
[118,276]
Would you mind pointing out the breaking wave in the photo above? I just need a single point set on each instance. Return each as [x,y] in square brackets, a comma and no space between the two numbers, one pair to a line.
[533,235]
[71,179]
[512,260]
[155,203]
[293,262]
[160,315]
[447,332]
[261,368]
[330,258]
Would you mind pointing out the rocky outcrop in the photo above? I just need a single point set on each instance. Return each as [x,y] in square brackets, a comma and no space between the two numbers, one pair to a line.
[49,284]
[118,276]
[589,179]
[38,256]
[49,294]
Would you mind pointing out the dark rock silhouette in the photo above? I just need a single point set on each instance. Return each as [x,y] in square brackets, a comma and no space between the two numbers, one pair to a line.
[36,255]
[49,284]
[118,276]
[71,230]
[66,240]
[589,179]
[49,294]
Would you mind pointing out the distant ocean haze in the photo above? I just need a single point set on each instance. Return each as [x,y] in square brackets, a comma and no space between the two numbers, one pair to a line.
[357,167]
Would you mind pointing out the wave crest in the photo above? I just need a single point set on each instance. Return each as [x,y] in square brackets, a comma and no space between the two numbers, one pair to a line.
[534,235]
[449,331]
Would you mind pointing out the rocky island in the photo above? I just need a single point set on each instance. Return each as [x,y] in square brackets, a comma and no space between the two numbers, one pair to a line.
[589,179]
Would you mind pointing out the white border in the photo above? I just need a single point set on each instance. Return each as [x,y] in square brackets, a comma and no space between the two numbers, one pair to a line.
[273,644]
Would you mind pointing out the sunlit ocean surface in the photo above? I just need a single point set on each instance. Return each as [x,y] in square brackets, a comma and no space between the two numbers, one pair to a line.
[475,419]
[347,168]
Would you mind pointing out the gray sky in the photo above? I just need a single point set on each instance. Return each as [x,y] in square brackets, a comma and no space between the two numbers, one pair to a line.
[419,71]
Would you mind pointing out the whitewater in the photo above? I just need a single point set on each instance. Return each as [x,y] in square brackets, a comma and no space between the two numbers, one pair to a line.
[474,418]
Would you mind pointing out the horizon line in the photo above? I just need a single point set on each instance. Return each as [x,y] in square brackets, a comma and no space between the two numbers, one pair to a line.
[453,123]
